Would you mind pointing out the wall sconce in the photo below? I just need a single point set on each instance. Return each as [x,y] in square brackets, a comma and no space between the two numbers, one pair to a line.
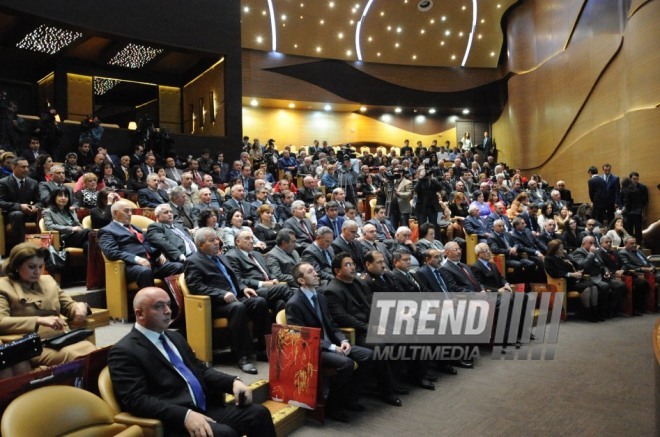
[57,118]
[212,106]
[192,118]
[201,112]
[132,125]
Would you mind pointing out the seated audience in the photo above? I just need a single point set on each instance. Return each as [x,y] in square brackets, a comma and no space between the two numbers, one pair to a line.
[60,217]
[617,232]
[267,227]
[231,230]
[171,239]
[19,196]
[101,213]
[320,254]
[283,257]
[86,198]
[151,196]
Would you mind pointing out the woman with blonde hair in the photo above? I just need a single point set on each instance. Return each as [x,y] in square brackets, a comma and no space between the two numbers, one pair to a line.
[518,206]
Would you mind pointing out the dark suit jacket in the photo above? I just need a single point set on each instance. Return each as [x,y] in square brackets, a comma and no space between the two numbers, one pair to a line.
[526,242]
[281,265]
[587,261]
[557,267]
[302,238]
[313,255]
[148,385]
[204,277]
[491,279]
[325,221]
[613,187]
[631,261]
[380,231]
[45,188]
[247,272]
[169,243]
[611,260]
[350,306]
[426,277]
[307,194]
[299,312]
[353,247]
[367,246]
[186,219]
[597,190]
[451,271]
[147,198]
[382,284]
[10,197]
[117,242]
[404,285]
[231,205]
[491,219]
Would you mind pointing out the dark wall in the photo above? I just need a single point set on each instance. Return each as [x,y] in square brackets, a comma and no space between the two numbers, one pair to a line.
[205,26]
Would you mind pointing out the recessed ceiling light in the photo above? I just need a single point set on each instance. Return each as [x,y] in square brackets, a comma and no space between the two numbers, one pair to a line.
[363,109]
[466,111]
[382,14]
[397,110]
[340,35]
[295,46]
[101,85]
[479,36]
[259,40]
[432,111]
[398,30]
[442,43]
[378,54]
[414,57]
[370,39]
[499,6]
[389,28]
[48,39]
[134,56]
[460,33]
[357,5]
[396,44]
[422,31]
[318,49]
[263,12]
[283,24]
[322,21]
[327,107]
[432,21]
[353,10]
[246,9]
[453,57]
[351,22]
[463,8]
[443,18]
[447,32]
[302,5]
[483,20]
[349,52]
[254,102]
[492,54]
[331,4]
[292,105]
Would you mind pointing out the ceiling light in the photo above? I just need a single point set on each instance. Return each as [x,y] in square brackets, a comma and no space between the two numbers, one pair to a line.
[134,56]
[453,57]
[443,18]
[340,35]
[259,40]
[447,32]
[353,10]
[102,85]
[499,6]
[349,52]
[389,28]
[422,31]
[351,22]
[479,36]
[246,9]
[283,24]
[466,111]
[331,4]
[295,46]
[263,12]
[460,34]
[378,54]
[363,109]
[463,8]
[301,17]
[283,17]
[397,110]
[292,105]
[357,5]
[318,49]
[327,107]
[414,57]
[396,44]
[302,5]
[398,30]
[370,39]
[492,54]
[442,43]
[47,39]
[382,14]
[483,20]
[254,102]
[432,21]
[322,21]
[432,111]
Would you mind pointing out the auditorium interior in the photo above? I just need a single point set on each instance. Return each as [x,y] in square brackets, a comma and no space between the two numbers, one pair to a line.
[560,85]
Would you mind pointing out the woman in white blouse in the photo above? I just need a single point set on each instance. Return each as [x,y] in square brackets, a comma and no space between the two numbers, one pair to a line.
[232,229]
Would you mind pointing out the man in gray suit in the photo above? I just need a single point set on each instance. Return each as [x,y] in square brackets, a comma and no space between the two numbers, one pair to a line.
[320,254]
[252,270]
[283,257]
[57,178]
[172,239]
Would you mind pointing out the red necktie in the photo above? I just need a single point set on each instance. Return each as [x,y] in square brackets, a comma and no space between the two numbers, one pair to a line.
[469,276]
[135,233]
[386,231]
[302,225]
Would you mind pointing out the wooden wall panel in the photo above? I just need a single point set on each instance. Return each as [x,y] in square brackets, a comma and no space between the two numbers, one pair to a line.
[197,94]
[169,108]
[303,127]
[79,96]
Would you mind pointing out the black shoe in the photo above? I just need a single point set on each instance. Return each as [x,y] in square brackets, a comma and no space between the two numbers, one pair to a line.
[400,391]
[431,377]
[338,415]
[392,400]
[426,384]
[532,337]
[449,370]
[354,406]
[464,364]
[247,366]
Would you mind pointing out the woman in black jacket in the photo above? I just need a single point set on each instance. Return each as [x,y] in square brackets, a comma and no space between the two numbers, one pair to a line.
[558,265]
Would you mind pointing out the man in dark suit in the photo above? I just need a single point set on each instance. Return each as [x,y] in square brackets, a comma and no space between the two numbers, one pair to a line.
[181,211]
[246,178]
[547,235]
[331,218]
[475,225]
[283,257]
[526,242]
[430,276]
[120,240]
[320,254]
[597,194]
[460,273]
[156,375]
[346,242]
[237,201]
[401,276]
[57,178]
[635,261]
[308,308]
[384,228]
[32,151]
[252,270]
[301,225]
[307,192]
[19,196]
[151,196]
[210,274]
[427,205]
[172,239]
[487,146]
[369,241]
[557,201]
[171,172]
[613,189]
[499,214]
[374,275]
[349,301]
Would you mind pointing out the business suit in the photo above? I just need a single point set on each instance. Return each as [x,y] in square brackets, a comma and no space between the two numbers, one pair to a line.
[303,239]
[405,282]
[118,243]
[321,263]
[611,292]
[423,245]
[426,277]
[380,229]
[232,204]
[307,195]
[161,236]
[46,188]
[183,216]
[173,174]
[640,286]
[598,196]
[148,385]
[378,284]
[367,246]
[476,226]
[527,243]
[494,216]
[281,265]
[63,221]
[336,227]
[635,260]
[350,306]
[345,385]
[339,245]
[203,276]
[613,190]
[20,306]
[11,198]
[250,275]
[461,275]
[148,198]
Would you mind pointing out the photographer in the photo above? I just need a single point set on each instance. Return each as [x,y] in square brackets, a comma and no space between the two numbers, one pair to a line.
[428,204]
[347,179]
[12,127]
[91,130]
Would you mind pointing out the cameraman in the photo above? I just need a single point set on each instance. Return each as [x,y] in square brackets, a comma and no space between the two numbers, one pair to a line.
[91,131]
[427,205]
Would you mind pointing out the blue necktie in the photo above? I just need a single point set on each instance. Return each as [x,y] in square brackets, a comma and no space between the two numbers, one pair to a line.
[327,257]
[188,375]
[222,268]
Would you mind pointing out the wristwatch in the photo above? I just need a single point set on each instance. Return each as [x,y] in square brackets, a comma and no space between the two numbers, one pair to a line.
[238,378]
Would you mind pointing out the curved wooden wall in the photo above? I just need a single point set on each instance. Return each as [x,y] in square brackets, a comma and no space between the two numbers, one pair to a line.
[573,104]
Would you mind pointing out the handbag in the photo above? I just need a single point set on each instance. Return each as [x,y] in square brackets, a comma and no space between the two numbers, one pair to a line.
[20,350]
[56,261]
[68,338]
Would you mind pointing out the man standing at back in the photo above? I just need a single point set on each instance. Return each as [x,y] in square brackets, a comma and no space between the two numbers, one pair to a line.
[597,194]
[613,188]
